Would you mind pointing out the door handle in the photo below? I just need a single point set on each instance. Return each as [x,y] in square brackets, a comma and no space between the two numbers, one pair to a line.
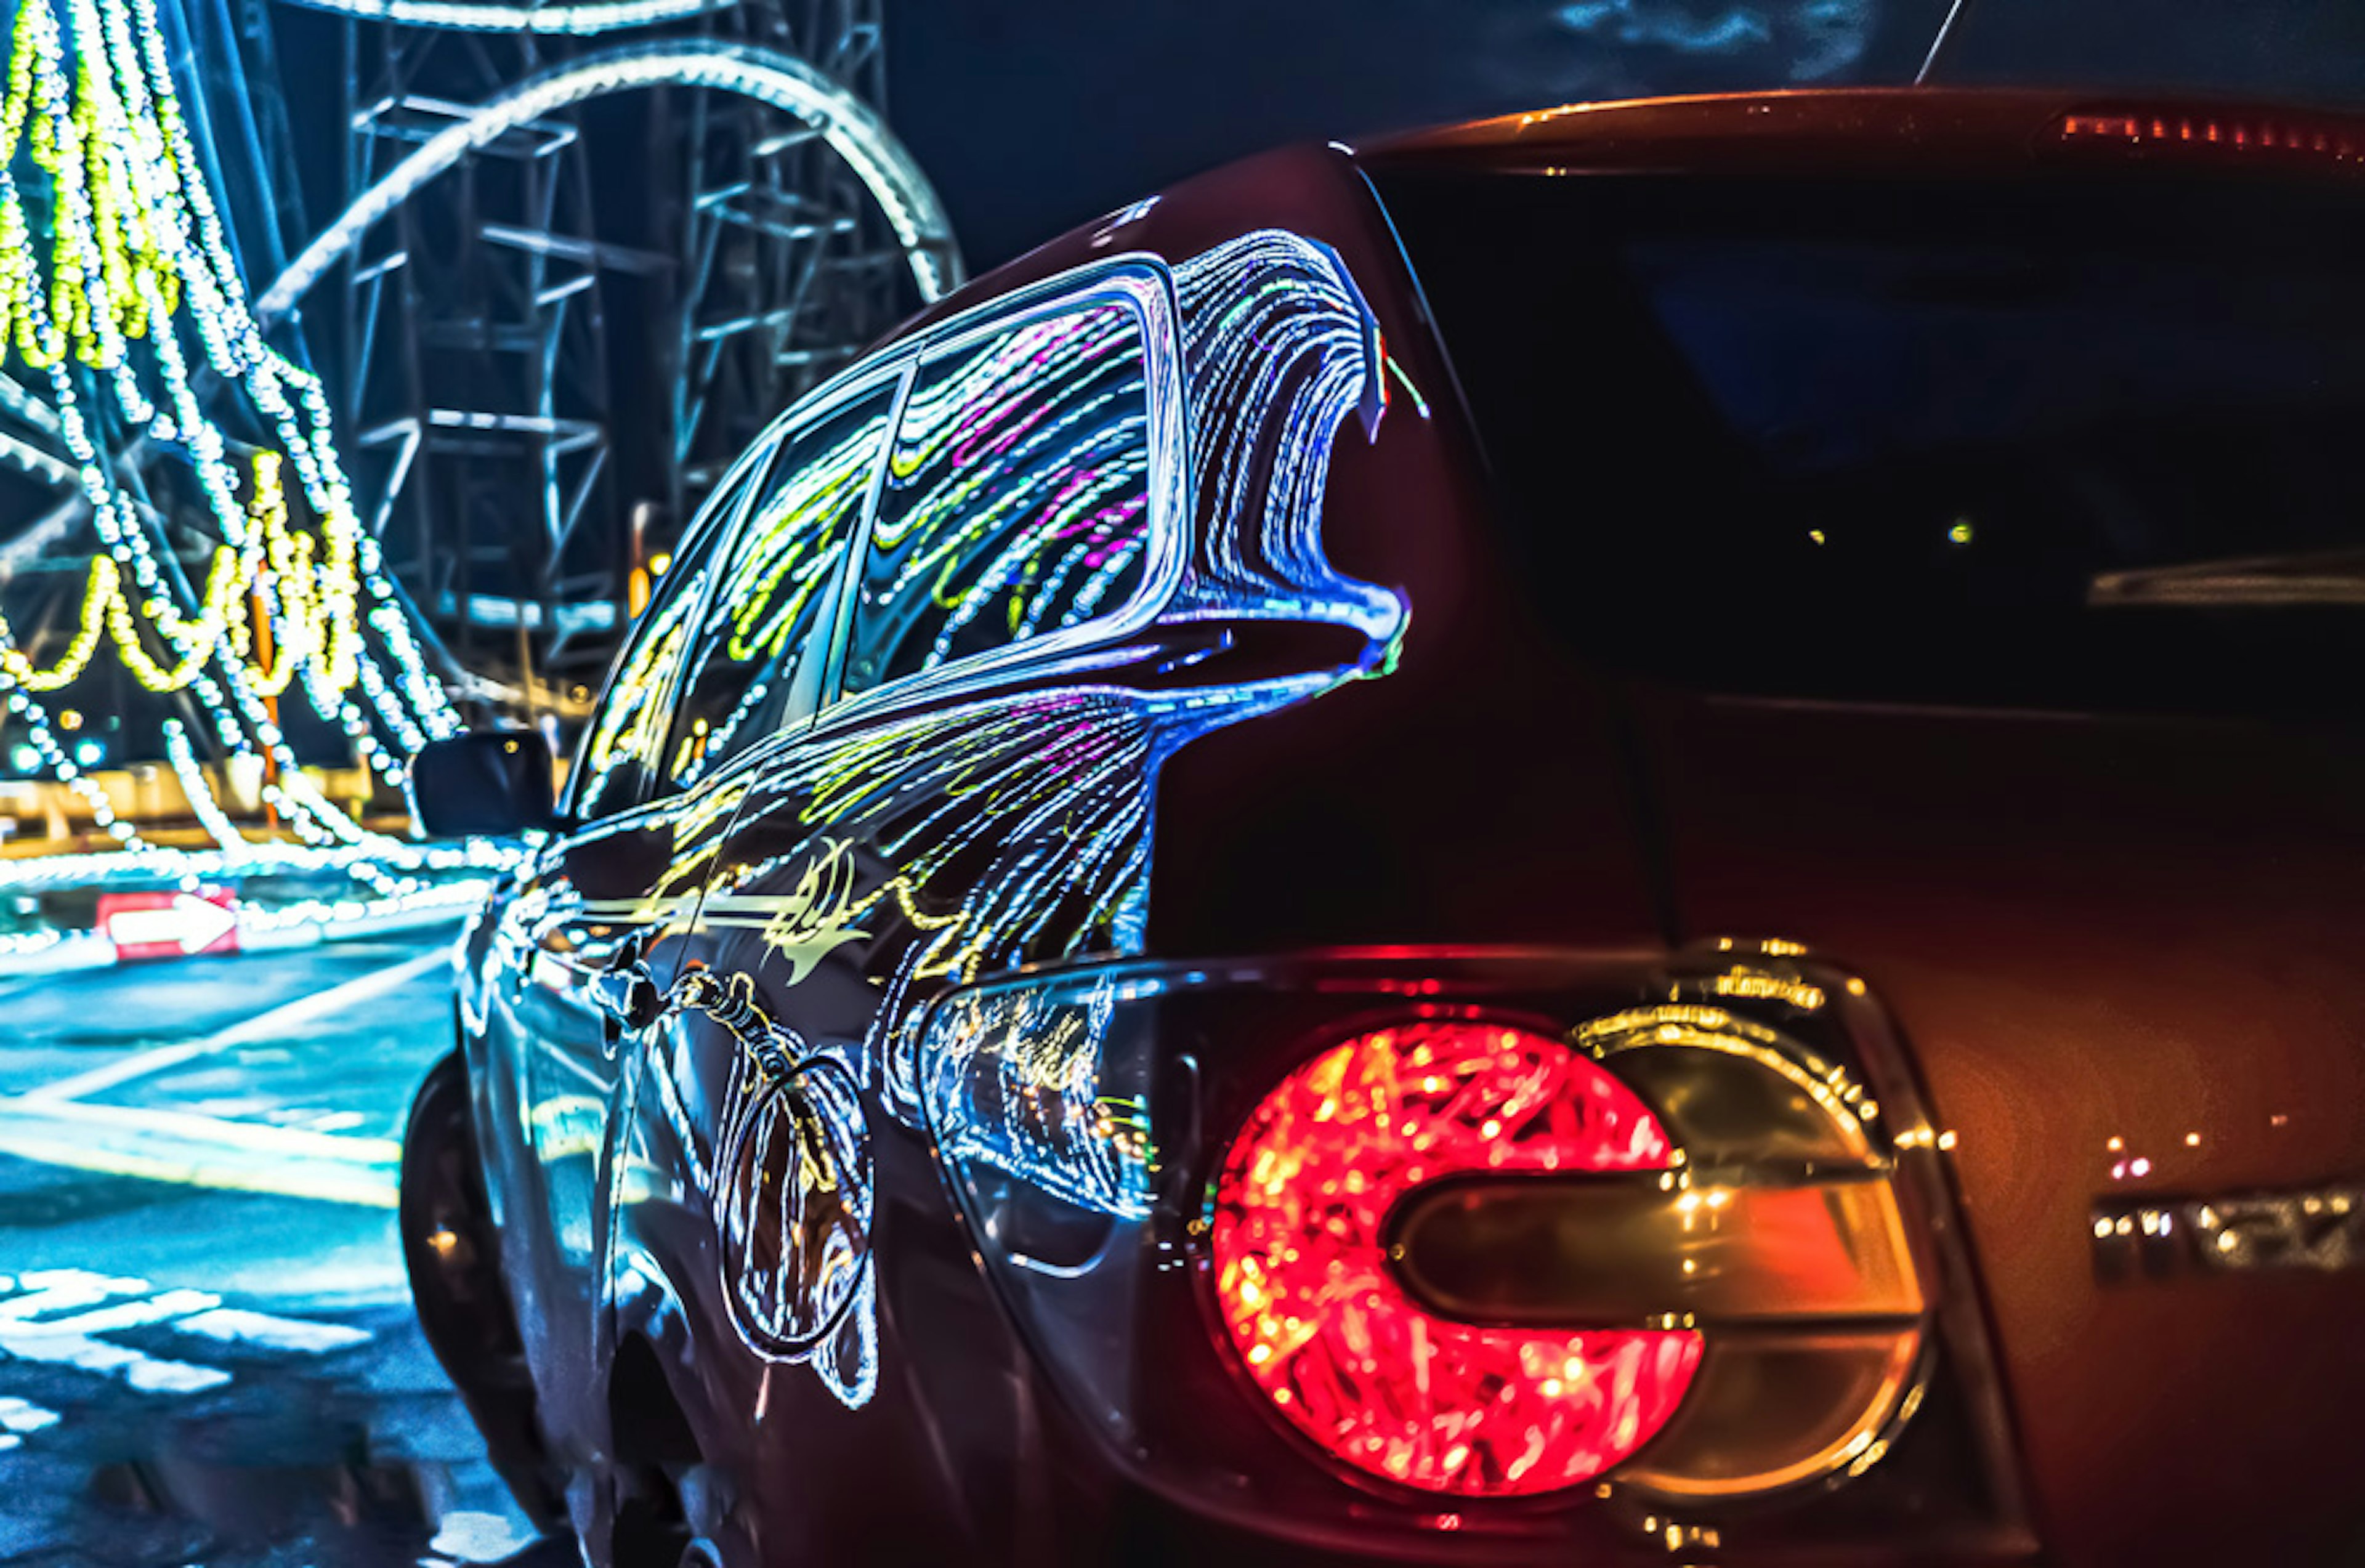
[626,990]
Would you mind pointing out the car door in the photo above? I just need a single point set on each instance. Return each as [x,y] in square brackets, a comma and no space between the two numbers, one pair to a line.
[604,891]
[1012,519]
[755,670]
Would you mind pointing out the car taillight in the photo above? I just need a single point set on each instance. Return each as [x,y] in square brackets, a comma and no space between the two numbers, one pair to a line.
[1543,1249]
[1323,1320]
[1483,1261]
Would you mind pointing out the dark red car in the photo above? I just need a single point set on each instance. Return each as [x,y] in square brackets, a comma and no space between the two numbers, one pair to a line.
[1629,835]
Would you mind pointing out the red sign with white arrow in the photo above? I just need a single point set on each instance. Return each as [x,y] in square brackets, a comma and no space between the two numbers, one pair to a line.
[170,926]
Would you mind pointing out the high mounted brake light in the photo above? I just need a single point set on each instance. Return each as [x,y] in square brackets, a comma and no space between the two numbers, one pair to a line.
[2257,137]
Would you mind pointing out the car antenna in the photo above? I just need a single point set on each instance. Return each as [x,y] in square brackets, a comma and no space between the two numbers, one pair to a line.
[1938,45]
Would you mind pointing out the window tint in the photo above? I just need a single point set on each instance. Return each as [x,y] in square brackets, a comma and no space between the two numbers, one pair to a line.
[625,743]
[758,659]
[1016,500]
[2075,445]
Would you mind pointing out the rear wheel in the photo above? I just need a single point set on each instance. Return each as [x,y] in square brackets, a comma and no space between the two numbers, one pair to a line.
[652,1528]
[450,1249]
[662,1489]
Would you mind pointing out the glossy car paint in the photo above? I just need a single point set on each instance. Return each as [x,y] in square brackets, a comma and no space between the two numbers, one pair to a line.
[2102,941]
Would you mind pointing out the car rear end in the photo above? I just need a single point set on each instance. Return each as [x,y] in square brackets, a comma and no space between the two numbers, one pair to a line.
[1486,1256]
[1973,522]
[1925,532]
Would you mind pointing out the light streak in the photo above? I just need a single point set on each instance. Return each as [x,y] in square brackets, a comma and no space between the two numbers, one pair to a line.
[849,126]
[582,20]
[1016,500]
[784,566]
[1015,1083]
[1277,342]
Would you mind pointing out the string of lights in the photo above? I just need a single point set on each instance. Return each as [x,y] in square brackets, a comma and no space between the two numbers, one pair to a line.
[584,20]
[119,291]
[852,129]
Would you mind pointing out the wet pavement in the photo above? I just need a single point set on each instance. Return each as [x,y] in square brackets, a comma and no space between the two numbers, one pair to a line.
[207,1354]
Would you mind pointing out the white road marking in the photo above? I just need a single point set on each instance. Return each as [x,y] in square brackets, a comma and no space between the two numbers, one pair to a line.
[31,1330]
[268,1025]
[162,1145]
[230,1323]
[149,1374]
[19,1417]
[63,1290]
[469,1537]
[71,1279]
[24,1416]
[126,1314]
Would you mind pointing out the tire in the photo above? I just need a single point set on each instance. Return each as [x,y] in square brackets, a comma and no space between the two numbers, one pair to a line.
[651,1532]
[451,1254]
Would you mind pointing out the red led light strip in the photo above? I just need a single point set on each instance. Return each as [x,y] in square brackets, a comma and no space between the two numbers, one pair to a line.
[2324,141]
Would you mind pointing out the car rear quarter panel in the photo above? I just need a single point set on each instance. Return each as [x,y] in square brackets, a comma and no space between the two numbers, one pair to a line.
[925,837]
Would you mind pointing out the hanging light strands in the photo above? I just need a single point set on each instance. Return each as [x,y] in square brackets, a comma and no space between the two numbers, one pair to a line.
[135,249]
[119,290]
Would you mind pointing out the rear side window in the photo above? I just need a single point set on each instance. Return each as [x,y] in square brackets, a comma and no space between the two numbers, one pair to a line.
[1016,499]
[758,659]
[623,748]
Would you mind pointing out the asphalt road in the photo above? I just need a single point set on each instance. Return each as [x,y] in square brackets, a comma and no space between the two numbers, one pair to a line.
[207,1355]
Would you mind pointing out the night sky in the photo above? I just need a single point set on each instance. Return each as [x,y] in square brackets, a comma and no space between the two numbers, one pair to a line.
[1032,118]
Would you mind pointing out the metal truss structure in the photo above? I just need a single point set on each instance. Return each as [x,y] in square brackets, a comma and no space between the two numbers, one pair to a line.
[565,306]
[790,266]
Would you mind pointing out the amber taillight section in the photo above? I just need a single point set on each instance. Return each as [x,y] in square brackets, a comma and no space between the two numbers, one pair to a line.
[1323,1324]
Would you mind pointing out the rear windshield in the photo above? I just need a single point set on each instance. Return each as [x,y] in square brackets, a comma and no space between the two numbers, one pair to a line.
[2082,443]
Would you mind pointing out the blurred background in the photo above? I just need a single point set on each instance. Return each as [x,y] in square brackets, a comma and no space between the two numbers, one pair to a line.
[360,362]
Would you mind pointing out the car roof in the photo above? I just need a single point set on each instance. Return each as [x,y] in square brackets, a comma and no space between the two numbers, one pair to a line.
[1938,131]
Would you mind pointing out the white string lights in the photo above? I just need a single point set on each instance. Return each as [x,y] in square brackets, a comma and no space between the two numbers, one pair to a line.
[853,129]
[583,20]
[119,291]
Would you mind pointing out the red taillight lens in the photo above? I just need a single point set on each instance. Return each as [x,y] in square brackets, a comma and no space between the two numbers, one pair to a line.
[1324,1325]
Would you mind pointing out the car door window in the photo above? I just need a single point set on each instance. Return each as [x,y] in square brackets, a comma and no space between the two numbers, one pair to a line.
[1016,500]
[757,660]
[625,744]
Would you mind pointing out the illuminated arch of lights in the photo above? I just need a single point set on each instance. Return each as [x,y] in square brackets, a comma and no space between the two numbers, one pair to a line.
[119,299]
[587,19]
[126,291]
[849,126]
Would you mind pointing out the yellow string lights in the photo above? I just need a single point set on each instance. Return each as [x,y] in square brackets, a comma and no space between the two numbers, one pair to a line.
[313,580]
[116,282]
[116,285]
